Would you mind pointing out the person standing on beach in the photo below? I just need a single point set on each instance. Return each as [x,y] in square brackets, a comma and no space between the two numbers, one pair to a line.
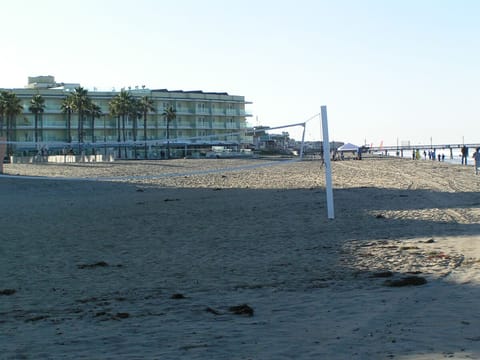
[476,157]
[464,154]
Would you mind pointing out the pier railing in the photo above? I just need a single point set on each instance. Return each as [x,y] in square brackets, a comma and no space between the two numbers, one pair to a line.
[422,147]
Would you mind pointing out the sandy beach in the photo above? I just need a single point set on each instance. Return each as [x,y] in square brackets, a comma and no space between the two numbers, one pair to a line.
[236,259]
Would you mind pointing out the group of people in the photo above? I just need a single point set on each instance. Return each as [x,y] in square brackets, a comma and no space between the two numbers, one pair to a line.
[431,155]
[441,157]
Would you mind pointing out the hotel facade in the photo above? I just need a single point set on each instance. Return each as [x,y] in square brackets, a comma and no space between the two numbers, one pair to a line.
[202,118]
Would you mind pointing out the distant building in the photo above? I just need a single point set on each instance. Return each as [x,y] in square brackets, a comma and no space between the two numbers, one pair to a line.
[201,117]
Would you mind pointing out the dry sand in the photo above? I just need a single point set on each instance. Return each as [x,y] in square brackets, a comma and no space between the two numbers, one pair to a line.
[147,259]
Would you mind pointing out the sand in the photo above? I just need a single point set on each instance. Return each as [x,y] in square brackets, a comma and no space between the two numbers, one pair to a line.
[146,260]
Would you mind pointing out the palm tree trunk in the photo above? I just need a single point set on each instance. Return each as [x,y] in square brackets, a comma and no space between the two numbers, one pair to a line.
[79,128]
[10,133]
[69,127]
[93,134]
[79,135]
[145,133]
[40,122]
[168,139]
[36,127]
[134,125]
[118,138]
[124,136]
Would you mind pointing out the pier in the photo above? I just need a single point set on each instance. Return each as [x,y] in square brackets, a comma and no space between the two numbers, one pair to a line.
[401,148]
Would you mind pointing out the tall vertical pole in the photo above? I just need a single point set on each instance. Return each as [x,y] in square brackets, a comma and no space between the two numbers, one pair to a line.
[303,142]
[328,169]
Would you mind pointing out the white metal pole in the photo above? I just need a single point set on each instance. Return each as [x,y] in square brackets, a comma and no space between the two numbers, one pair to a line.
[303,141]
[328,169]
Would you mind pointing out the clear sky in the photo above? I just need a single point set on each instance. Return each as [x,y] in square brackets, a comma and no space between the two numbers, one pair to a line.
[405,70]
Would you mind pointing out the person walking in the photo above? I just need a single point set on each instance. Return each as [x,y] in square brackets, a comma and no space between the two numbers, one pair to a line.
[476,157]
[464,154]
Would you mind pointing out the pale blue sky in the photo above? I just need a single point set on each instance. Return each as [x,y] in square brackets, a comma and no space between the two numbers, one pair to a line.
[387,70]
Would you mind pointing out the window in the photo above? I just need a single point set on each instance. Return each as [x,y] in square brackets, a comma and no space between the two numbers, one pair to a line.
[202,122]
[201,108]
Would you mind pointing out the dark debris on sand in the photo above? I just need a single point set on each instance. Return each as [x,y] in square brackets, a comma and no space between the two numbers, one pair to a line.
[406,281]
[177,296]
[94,265]
[243,309]
[7,292]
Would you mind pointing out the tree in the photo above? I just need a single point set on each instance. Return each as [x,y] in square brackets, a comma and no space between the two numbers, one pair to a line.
[95,112]
[135,114]
[81,102]
[11,106]
[113,110]
[120,106]
[3,107]
[67,108]
[170,114]
[146,106]
[37,107]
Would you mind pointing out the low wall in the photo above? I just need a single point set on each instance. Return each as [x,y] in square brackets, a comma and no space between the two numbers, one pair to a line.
[59,159]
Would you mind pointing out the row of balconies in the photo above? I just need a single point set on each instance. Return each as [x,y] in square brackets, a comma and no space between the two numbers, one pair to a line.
[181,111]
[52,125]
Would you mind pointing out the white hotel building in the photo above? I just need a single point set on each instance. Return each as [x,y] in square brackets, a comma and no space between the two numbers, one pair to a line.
[202,118]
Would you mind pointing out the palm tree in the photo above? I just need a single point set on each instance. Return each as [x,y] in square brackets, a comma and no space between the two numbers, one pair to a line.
[114,112]
[146,105]
[12,107]
[95,112]
[67,108]
[3,106]
[37,106]
[80,105]
[135,114]
[170,114]
[120,106]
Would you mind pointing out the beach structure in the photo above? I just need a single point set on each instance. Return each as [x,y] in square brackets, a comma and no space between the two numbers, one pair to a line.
[201,119]
[348,147]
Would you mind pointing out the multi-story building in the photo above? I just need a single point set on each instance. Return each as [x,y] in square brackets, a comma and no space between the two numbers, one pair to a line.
[202,118]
